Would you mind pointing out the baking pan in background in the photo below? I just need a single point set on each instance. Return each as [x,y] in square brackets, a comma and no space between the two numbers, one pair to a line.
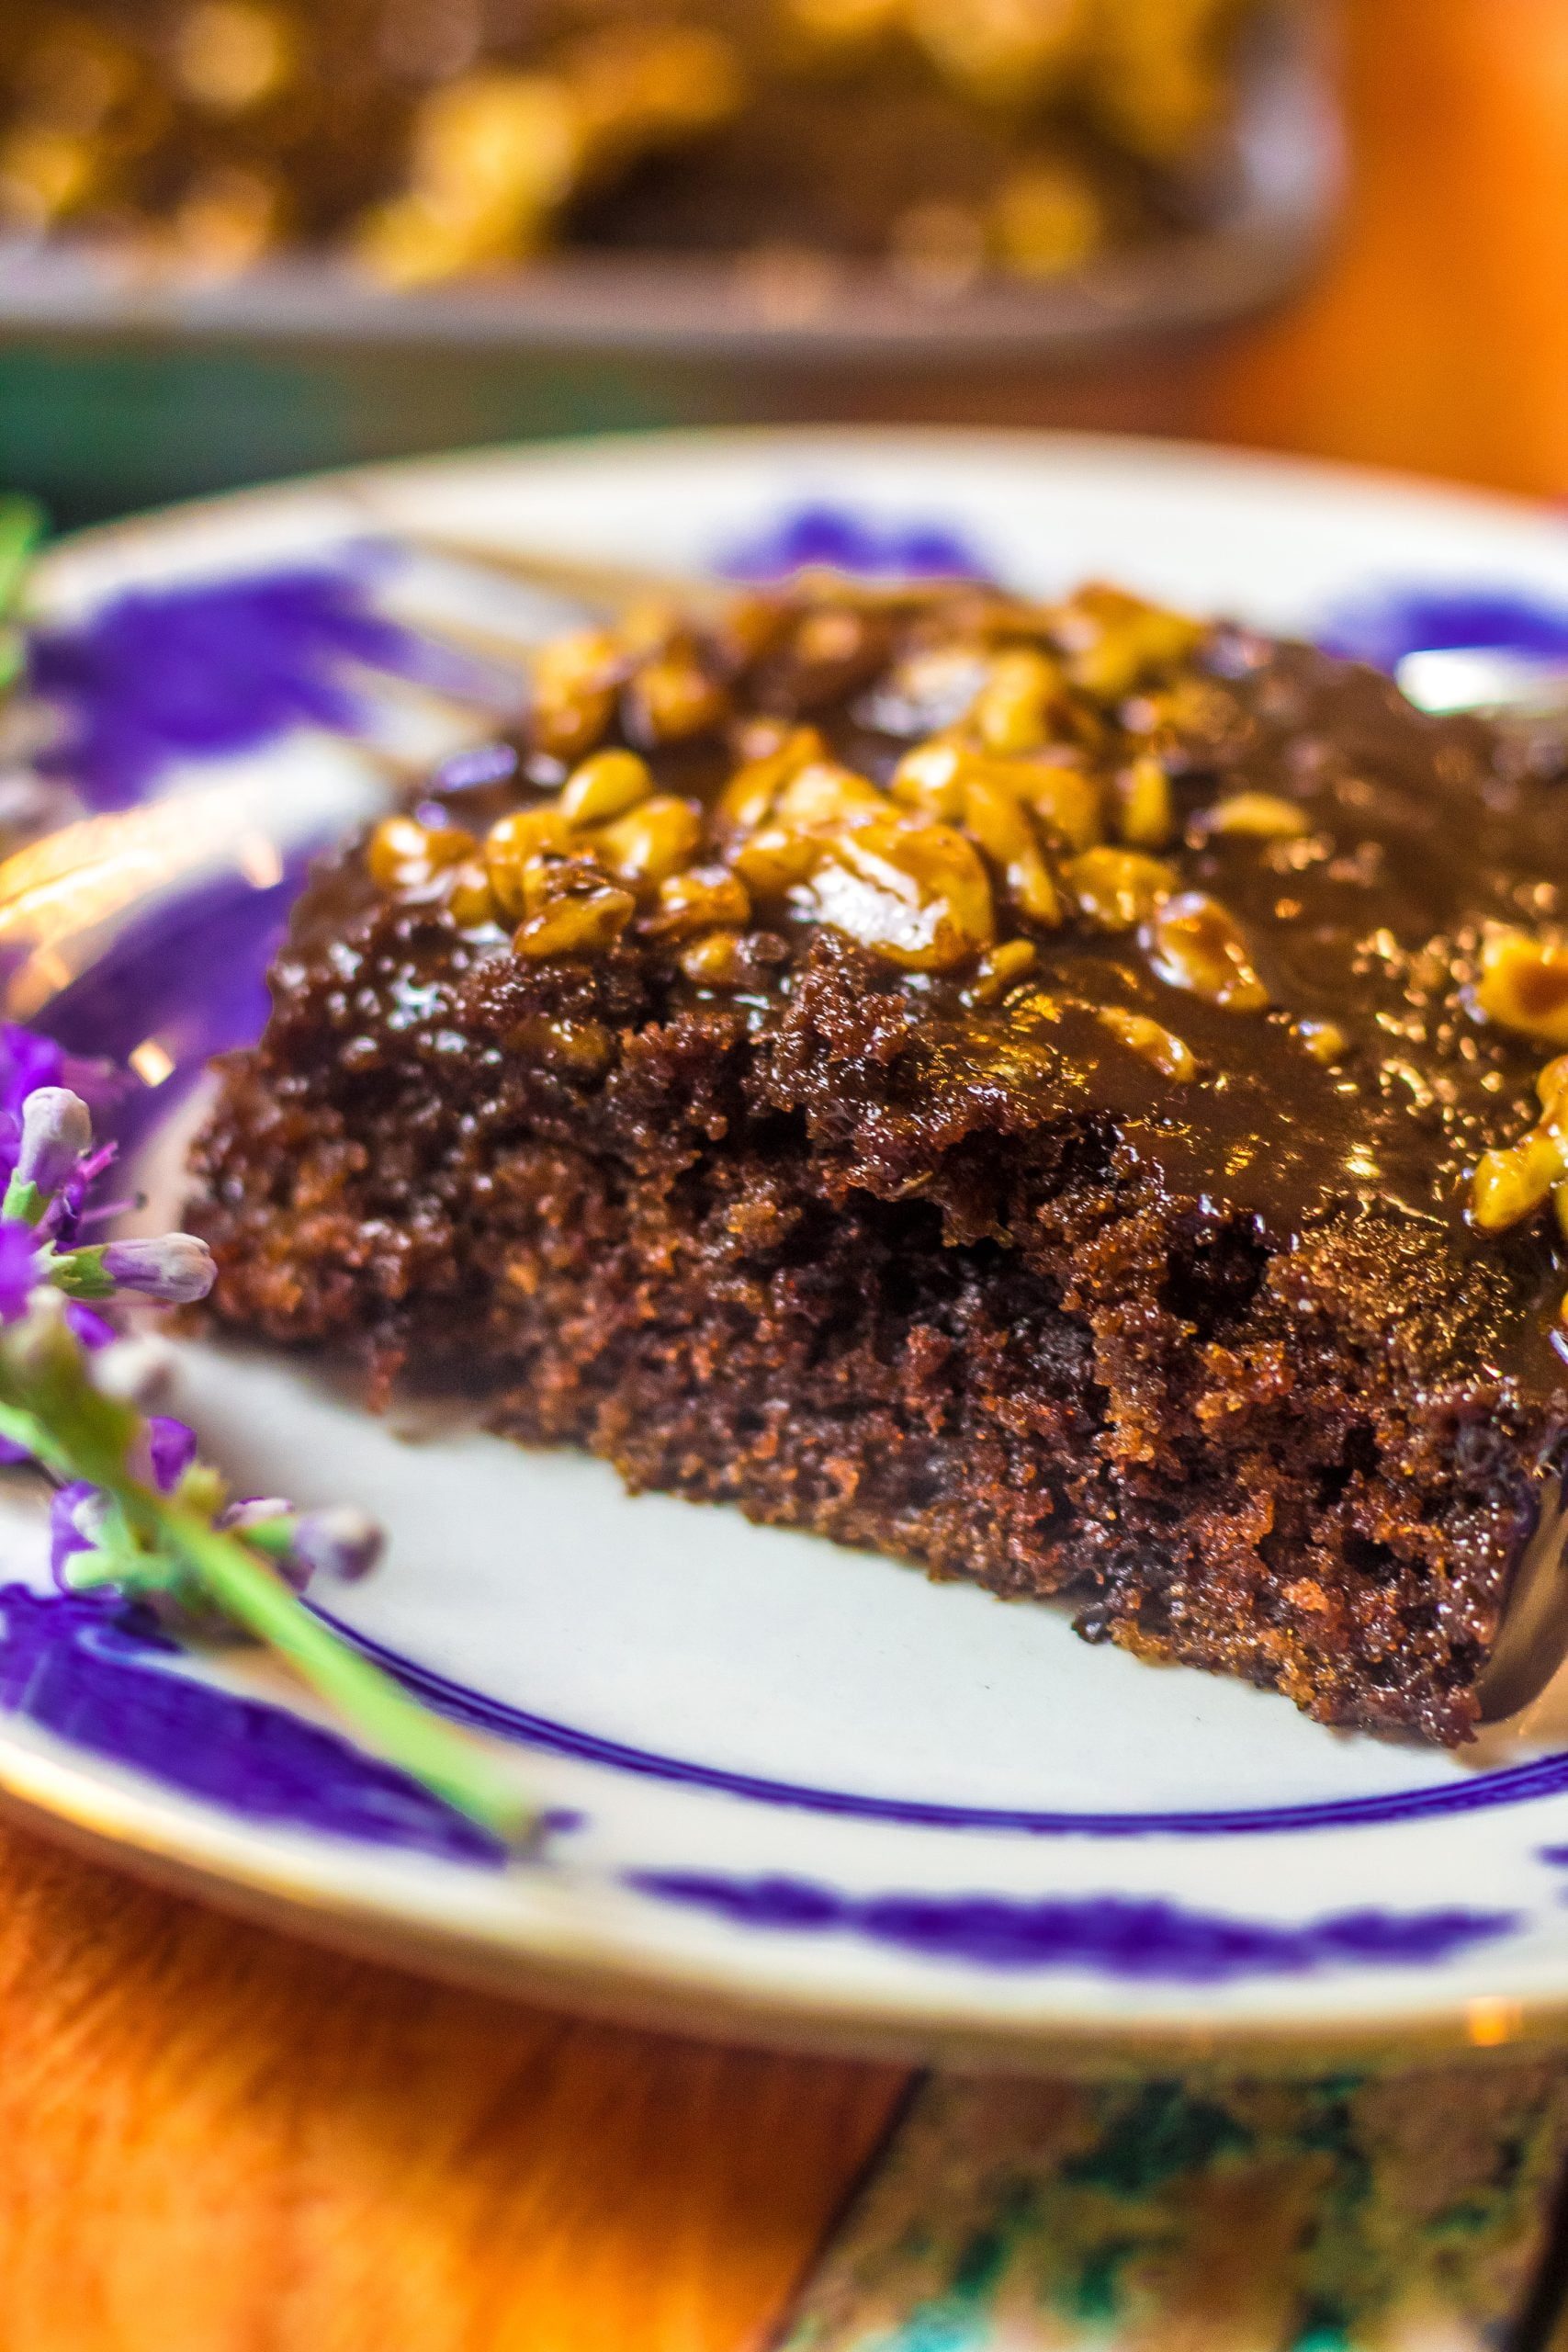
[120,389]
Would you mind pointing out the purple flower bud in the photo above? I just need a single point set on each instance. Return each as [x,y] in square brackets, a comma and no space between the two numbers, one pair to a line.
[176,1269]
[166,1450]
[250,1511]
[340,1542]
[57,1135]
[94,1334]
[75,1517]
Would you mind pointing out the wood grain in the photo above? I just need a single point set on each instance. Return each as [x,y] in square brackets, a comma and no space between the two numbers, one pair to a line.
[212,2140]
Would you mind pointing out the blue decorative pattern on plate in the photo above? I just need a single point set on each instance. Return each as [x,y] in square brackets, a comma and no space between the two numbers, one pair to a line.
[1104,1932]
[102,1678]
[789,1759]
[1383,626]
[211,668]
[1514,1784]
[839,537]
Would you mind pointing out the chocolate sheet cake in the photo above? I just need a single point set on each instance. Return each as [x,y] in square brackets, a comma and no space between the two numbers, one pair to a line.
[1060,1093]
[424,142]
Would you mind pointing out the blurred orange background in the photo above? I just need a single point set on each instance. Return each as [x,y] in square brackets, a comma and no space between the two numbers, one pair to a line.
[1436,338]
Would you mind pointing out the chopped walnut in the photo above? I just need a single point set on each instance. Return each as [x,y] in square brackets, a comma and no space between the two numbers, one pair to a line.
[1511,1184]
[914,892]
[405,855]
[1001,824]
[1523,984]
[470,898]
[703,897]
[1012,711]
[516,845]
[1000,968]
[575,682]
[582,923]
[1170,1055]
[716,960]
[1118,890]
[672,699]
[605,785]
[931,778]
[1194,943]
[651,841]
[748,798]
[1115,641]
[1146,814]
[1260,816]
[823,796]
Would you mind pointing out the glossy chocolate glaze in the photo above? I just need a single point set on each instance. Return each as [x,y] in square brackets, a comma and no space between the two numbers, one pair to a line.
[1422,830]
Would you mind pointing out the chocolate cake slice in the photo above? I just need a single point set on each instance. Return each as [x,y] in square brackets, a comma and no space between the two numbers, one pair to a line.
[1060,1093]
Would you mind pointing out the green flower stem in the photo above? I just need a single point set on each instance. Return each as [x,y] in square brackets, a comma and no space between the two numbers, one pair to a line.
[26,1430]
[254,1595]
[273,1536]
[53,1410]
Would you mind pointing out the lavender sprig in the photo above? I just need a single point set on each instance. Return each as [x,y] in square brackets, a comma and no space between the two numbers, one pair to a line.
[138,1511]
[57,1136]
[176,1269]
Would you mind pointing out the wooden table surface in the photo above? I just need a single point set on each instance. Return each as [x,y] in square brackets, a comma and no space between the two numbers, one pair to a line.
[212,2140]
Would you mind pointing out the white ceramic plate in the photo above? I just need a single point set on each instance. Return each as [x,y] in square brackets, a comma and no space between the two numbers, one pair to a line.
[802,1793]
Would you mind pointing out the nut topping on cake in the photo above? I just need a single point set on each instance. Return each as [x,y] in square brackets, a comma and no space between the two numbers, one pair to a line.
[1523,984]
